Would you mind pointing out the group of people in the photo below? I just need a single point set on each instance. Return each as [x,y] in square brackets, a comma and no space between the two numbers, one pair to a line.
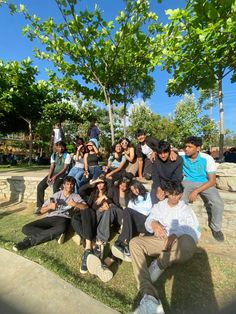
[97,201]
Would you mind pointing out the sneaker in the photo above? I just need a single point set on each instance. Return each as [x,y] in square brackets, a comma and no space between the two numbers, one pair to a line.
[61,239]
[77,239]
[218,235]
[95,267]
[25,244]
[154,271]
[83,266]
[121,251]
[37,211]
[99,249]
[149,305]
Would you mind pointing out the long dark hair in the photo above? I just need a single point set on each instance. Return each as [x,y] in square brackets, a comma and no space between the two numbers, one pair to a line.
[141,188]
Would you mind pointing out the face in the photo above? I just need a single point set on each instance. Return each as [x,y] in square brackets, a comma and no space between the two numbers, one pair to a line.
[118,148]
[68,186]
[100,186]
[141,138]
[124,143]
[90,146]
[191,150]
[164,155]
[123,187]
[60,149]
[173,199]
[134,190]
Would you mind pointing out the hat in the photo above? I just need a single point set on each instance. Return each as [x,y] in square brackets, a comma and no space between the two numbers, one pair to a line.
[93,143]
[98,180]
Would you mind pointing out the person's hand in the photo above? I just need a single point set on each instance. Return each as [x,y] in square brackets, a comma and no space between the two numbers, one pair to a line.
[160,194]
[72,203]
[193,196]
[52,206]
[173,155]
[158,229]
[140,178]
[53,179]
[153,156]
[108,176]
[169,242]
[104,207]
[79,147]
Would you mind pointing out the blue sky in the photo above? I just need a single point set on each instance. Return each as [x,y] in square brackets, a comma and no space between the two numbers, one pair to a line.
[14,46]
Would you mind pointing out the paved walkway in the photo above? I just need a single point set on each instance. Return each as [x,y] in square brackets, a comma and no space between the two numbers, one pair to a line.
[28,288]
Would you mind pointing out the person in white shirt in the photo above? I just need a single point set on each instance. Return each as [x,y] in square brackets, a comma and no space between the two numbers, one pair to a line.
[175,230]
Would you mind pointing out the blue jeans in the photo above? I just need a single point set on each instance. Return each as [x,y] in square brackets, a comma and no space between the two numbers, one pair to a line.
[77,173]
[94,172]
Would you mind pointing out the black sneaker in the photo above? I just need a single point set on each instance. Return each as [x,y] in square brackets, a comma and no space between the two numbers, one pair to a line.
[83,266]
[25,244]
[218,235]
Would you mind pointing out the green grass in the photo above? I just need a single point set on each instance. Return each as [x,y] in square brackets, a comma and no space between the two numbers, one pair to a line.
[203,284]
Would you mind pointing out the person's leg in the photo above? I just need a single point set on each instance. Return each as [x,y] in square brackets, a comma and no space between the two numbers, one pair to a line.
[84,223]
[40,191]
[139,248]
[78,178]
[103,225]
[73,172]
[58,183]
[181,251]
[217,207]
[188,188]
[147,169]
[97,171]
[46,229]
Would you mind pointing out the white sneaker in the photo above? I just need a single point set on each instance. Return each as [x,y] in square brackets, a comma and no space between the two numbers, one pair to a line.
[95,267]
[149,305]
[77,239]
[61,239]
[155,271]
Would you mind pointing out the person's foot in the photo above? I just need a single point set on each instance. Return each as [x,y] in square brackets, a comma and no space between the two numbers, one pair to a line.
[77,239]
[95,267]
[149,305]
[154,271]
[99,249]
[61,238]
[25,244]
[121,251]
[218,235]
[37,211]
[83,266]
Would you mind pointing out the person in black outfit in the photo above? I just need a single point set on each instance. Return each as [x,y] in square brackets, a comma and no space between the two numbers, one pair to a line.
[164,169]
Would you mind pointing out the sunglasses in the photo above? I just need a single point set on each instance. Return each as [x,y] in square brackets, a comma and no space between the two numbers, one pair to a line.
[124,142]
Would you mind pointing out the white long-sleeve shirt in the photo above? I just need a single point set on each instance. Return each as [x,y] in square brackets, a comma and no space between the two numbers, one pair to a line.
[179,220]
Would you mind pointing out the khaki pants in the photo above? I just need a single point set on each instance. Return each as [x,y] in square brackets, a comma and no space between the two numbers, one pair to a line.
[182,250]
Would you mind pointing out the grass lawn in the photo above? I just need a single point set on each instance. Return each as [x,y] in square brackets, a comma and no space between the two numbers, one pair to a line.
[205,284]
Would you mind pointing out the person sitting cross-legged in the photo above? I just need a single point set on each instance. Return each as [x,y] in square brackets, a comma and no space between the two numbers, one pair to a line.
[58,209]
[175,232]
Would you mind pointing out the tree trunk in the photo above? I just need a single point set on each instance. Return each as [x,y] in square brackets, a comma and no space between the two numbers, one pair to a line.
[124,120]
[30,142]
[221,109]
[110,113]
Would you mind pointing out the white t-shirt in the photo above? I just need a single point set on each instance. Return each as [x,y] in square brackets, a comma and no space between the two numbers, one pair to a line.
[146,150]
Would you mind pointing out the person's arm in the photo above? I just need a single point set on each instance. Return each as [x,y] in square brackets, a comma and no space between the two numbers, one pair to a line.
[77,205]
[63,170]
[121,166]
[86,169]
[211,182]
[131,155]
[177,175]
[48,207]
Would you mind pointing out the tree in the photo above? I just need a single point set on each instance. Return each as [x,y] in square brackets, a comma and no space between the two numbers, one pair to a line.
[199,47]
[22,97]
[112,58]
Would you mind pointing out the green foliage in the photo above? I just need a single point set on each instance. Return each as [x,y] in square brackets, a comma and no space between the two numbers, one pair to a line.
[113,58]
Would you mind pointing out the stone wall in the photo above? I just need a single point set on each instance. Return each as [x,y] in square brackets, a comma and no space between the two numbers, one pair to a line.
[16,188]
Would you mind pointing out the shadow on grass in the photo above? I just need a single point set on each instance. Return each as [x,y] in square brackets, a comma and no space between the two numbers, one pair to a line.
[10,212]
[192,289]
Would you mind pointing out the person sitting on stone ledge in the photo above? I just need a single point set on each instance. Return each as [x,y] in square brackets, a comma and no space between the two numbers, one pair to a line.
[199,179]
[60,161]
[59,209]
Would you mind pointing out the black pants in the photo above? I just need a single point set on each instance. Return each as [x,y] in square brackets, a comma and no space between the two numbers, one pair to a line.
[43,185]
[133,225]
[45,229]
[84,223]
[147,169]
